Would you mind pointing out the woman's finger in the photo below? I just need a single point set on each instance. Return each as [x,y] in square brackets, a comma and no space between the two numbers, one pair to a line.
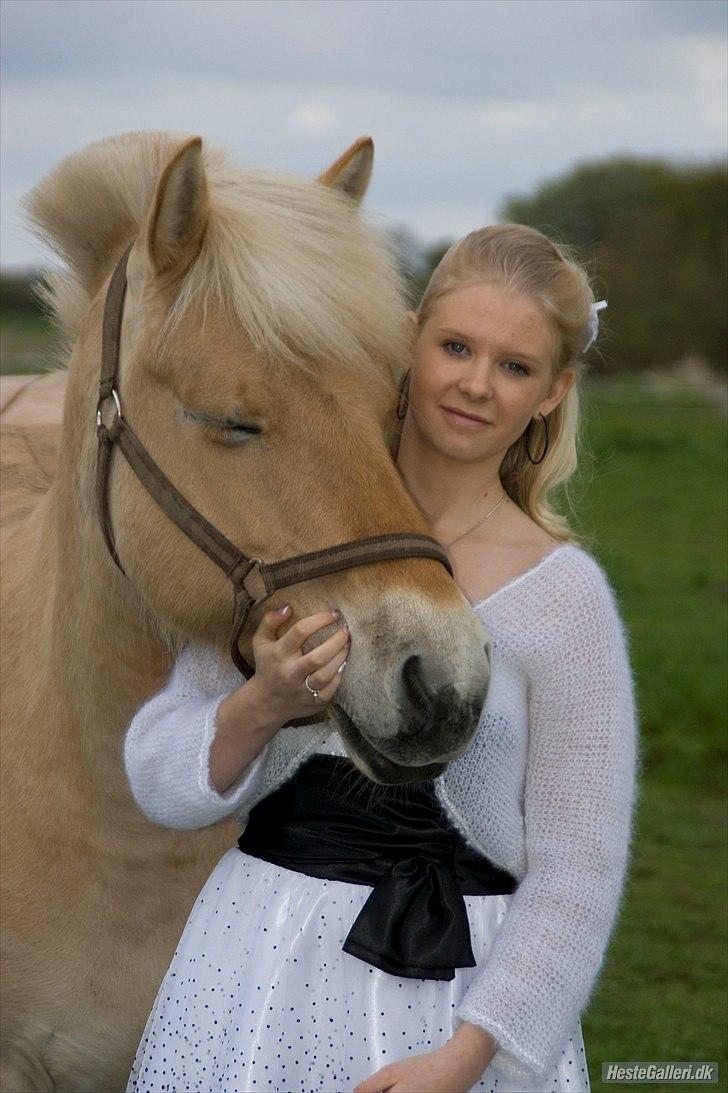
[294,638]
[330,671]
[319,657]
[270,623]
[327,692]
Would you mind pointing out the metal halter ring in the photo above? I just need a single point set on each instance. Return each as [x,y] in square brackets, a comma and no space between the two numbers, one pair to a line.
[314,693]
[115,397]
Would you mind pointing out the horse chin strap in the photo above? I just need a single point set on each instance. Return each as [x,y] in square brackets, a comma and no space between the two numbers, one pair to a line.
[253,580]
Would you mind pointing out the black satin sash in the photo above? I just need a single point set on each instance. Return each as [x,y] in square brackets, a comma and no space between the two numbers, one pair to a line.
[328,820]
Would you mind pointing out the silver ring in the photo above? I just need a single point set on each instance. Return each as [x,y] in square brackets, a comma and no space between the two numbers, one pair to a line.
[314,693]
[115,397]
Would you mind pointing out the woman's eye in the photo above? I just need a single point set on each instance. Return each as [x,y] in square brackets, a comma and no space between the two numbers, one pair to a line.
[455,351]
[523,371]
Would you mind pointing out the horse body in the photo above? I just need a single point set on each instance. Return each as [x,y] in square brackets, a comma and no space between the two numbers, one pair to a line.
[94,896]
[31,411]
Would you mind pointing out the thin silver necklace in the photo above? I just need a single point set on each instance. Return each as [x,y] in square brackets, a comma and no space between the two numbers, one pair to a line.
[481,521]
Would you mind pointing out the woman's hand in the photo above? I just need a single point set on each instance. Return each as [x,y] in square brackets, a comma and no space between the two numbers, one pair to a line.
[281,668]
[453,1068]
[248,718]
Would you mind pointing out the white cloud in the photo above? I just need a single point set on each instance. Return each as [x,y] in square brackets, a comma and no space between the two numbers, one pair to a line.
[467,103]
[312,117]
[705,66]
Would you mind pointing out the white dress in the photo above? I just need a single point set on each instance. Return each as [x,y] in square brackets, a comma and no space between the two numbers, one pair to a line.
[260,996]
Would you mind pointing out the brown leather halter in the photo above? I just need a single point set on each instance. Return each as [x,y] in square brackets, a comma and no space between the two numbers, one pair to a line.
[253,580]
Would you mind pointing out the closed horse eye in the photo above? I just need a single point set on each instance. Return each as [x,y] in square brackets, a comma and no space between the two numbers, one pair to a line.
[225,429]
[237,427]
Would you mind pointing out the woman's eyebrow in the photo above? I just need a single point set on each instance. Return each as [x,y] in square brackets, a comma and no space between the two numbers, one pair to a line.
[456,333]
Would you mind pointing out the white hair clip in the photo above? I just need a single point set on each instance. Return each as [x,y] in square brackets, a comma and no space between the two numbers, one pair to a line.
[593,324]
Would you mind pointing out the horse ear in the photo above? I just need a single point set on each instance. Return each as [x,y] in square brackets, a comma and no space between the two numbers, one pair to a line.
[180,211]
[352,170]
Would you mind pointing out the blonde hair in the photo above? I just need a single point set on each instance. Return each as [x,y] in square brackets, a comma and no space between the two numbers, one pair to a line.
[523,261]
[309,278]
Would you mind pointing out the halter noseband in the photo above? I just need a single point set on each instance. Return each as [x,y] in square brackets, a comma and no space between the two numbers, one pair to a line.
[253,580]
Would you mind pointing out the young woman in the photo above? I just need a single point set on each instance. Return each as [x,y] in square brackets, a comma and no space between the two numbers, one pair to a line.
[280,980]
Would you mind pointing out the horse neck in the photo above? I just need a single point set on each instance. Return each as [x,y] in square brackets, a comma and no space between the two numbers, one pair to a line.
[100,647]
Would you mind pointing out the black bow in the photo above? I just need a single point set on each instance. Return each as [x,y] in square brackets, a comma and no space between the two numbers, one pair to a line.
[414,923]
[329,821]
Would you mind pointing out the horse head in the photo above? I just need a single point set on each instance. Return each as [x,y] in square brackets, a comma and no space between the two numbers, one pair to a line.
[262,342]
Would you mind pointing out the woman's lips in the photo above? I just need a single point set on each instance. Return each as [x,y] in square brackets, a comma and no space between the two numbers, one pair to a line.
[463,422]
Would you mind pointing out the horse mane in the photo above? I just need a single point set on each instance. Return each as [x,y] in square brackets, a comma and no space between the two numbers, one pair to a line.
[293,260]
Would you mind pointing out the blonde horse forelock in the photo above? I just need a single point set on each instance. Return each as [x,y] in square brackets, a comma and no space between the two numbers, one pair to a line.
[295,262]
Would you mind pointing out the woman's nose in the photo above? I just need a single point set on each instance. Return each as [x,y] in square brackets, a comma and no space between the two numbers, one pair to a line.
[477,382]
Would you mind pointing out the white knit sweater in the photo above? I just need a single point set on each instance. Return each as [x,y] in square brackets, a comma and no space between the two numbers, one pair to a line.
[546,789]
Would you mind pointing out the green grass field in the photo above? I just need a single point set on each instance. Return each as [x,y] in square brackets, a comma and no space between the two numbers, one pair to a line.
[27,343]
[650,500]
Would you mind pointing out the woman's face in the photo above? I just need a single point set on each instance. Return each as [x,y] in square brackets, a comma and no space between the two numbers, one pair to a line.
[487,353]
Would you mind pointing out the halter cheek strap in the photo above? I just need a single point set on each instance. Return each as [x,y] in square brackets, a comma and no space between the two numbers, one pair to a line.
[253,580]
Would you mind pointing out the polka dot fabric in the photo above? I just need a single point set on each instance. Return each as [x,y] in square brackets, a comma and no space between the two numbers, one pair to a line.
[260,996]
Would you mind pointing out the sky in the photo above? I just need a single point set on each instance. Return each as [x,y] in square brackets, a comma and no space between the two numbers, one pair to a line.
[468,101]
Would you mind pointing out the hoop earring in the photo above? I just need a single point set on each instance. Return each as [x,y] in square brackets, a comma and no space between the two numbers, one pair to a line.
[403,401]
[527,435]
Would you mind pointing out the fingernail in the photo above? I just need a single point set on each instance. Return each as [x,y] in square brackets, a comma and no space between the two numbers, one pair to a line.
[345,628]
[341,669]
[282,610]
[336,613]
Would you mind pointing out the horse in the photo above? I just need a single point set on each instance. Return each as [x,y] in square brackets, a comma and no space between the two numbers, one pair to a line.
[262,345]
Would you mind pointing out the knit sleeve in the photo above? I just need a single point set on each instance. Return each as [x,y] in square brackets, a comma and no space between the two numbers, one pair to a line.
[579,797]
[167,746]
